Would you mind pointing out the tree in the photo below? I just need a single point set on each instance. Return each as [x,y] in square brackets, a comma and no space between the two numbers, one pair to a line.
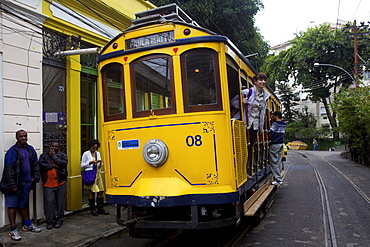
[303,127]
[288,101]
[319,44]
[353,108]
[231,18]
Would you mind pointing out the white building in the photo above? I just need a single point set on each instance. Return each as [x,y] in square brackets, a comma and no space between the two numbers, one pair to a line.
[21,79]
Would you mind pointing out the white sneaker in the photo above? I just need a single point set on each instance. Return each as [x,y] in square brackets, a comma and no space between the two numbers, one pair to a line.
[276,182]
[14,235]
[31,228]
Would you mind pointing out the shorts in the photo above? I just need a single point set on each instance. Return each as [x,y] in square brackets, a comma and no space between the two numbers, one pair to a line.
[19,201]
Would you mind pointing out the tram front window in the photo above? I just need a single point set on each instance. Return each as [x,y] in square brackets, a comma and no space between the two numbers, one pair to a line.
[153,86]
[201,85]
[113,92]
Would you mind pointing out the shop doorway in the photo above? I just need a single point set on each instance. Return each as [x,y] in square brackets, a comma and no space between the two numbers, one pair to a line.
[88,116]
[54,106]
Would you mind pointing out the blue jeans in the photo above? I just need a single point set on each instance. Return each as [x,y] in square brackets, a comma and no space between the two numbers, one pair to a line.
[19,201]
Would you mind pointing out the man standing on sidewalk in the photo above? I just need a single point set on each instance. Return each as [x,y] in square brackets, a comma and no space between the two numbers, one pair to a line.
[53,166]
[21,172]
[277,132]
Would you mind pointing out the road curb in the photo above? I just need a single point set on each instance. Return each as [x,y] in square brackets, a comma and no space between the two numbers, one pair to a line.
[103,235]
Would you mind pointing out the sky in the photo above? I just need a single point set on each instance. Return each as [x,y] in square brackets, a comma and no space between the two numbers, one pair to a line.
[280,19]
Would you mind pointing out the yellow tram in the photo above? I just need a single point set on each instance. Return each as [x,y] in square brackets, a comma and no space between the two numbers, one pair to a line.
[173,154]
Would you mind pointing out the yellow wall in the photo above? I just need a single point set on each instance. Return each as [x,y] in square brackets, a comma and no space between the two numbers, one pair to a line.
[130,7]
[74,190]
[113,13]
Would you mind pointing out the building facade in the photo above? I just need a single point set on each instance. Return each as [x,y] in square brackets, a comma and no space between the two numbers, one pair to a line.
[51,96]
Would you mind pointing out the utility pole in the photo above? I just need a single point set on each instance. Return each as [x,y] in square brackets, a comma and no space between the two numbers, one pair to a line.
[364,29]
[355,47]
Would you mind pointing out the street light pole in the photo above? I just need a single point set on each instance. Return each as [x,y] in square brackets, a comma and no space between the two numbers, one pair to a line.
[335,66]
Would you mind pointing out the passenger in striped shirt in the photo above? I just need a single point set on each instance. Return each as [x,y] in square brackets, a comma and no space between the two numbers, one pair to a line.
[277,132]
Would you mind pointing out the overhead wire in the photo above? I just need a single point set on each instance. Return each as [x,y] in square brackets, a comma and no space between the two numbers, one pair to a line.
[36,27]
[243,30]
[356,10]
[14,12]
[209,18]
[25,34]
[28,72]
[81,18]
[343,76]
[322,83]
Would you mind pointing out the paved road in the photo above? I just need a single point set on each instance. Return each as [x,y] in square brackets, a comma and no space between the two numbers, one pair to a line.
[324,201]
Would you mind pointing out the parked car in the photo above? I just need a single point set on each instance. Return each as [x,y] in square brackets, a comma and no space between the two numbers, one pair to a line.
[297,145]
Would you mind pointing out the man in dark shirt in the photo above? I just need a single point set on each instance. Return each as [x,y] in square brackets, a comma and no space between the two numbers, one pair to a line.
[53,166]
[21,171]
[277,132]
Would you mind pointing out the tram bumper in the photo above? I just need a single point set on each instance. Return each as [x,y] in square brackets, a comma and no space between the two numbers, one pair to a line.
[197,219]
[183,212]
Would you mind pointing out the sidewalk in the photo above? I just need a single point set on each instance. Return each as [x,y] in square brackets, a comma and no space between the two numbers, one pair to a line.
[79,229]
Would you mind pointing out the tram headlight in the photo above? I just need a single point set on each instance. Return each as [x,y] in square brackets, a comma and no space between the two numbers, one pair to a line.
[155,152]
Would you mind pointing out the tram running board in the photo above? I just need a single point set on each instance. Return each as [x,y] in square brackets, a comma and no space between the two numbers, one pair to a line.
[251,206]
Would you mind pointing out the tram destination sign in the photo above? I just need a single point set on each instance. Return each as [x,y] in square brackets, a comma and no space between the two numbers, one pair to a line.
[149,40]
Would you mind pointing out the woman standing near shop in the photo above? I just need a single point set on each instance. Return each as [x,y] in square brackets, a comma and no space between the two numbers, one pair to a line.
[90,158]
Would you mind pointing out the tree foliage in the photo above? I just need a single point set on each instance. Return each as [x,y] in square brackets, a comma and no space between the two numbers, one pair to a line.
[302,128]
[288,100]
[322,45]
[353,108]
[231,18]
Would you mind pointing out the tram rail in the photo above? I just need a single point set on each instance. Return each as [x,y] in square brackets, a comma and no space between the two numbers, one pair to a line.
[329,230]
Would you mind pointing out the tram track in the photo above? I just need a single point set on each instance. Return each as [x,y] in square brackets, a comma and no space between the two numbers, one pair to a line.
[226,237]
[363,195]
[329,230]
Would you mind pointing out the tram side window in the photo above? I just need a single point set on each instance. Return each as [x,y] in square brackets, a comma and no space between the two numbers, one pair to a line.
[152,87]
[233,84]
[201,84]
[113,92]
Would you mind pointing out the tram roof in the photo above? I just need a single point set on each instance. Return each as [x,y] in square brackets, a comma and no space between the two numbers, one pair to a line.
[212,37]
[170,14]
